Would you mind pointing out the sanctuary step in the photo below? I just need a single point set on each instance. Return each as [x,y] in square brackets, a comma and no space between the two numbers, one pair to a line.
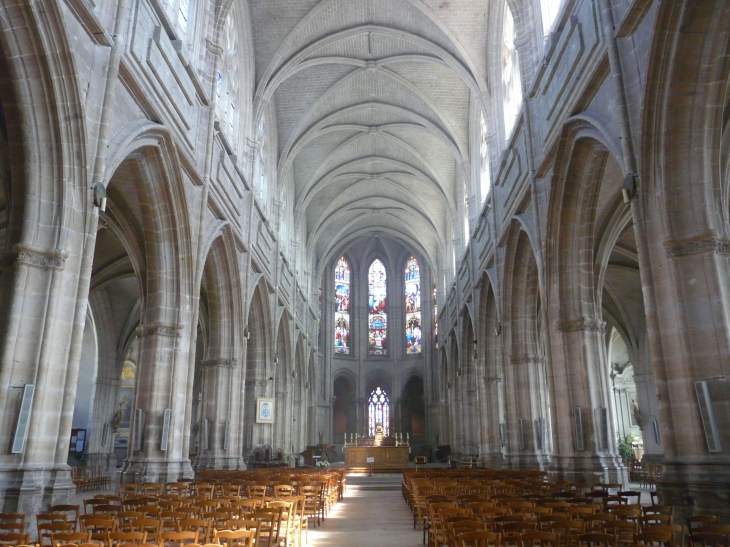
[379,482]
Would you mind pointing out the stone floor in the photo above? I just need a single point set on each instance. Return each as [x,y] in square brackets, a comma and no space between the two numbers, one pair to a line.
[365,518]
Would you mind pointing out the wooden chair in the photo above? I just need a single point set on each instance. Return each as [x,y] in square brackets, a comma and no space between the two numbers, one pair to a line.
[12,527]
[700,538]
[622,531]
[482,538]
[127,489]
[677,530]
[14,538]
[100,528]
[539,539]
[653,537]
[455,529]
[150,526]
[234,538]
[63,538]
[73,511]
[116,539]
[45,529]
[695,521]
[589,540]
[202,526]
[13,518]
[151,489]
[178,539]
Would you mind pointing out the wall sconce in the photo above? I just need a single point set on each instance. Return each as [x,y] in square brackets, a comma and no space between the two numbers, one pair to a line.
[271,378]
[307,386]
[498,328]
[276,359]
[474,344]
[294,374]
[246,332]
[99,195]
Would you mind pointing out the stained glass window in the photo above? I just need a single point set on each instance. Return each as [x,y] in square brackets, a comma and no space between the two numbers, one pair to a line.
[413,307]
[435,317]
[377,316]
[342,306]
[378,412]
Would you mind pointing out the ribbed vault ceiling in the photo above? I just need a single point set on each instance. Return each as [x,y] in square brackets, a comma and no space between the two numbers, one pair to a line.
[371,101]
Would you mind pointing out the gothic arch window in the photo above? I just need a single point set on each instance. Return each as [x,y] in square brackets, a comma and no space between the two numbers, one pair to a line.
[342,307]
[226,82]
[550,10]
[183,15]
[378,412]
[263,180]
[413,307]
[485,182]
[511,83]
[377,313]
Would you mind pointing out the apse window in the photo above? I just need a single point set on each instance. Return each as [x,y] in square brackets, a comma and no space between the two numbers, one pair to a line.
[342,307]
[378,413]
[377,315]
[413,307]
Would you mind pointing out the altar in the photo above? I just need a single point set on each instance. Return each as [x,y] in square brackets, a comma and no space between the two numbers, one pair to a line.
[357,456]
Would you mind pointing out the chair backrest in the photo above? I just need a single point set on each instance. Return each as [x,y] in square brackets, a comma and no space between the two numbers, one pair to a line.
[14,538]
[62,538]
[127,538]
[480,539]
[539,538]
[18,527]
[233,538]
[178,538]
[654,537]
[595,538]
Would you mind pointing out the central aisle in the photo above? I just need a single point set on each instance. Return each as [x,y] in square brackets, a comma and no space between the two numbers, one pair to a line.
[367,518]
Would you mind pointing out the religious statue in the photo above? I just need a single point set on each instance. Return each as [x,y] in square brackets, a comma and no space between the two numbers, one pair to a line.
[378,434]
[638,418]
[117,420]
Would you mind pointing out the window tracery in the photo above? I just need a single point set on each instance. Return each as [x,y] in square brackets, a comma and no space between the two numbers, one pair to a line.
[413,307]
[226,86]
[342,307]
[378,412]
[377,314]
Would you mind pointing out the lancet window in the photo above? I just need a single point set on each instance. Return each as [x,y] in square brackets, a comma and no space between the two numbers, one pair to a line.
[413,307]
[511,83]
[377,314]
[342,307]
[378,413]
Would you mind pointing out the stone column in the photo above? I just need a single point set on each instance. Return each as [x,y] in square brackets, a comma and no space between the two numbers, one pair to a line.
[161,384]
[582,383]
[36,350]
[218,383]
[101,450]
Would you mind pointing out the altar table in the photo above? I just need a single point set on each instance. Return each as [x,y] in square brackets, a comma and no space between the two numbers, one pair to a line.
[356,456]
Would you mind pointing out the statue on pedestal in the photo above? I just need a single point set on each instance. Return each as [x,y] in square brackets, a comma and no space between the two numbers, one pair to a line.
[378,434]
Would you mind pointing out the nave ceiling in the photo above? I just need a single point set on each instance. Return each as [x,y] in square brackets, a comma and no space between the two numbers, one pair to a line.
[371,101]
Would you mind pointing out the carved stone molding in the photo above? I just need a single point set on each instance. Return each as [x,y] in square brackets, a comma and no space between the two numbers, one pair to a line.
[39,258]
[160,329]
[219,362]
[526,359]
[588,324]
[699,244]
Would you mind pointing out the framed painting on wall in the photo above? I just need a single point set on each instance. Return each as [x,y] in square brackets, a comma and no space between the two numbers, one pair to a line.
[264,410]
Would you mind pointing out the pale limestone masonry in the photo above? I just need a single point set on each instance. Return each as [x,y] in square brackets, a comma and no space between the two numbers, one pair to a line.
[243,146]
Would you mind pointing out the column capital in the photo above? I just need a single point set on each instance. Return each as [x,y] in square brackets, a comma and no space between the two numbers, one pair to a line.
[704,243]
[160,329]
[588,324]
[219,362]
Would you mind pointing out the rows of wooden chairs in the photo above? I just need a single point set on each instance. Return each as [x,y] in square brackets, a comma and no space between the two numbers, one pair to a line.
[90,478]
[468,507]
[239,509]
